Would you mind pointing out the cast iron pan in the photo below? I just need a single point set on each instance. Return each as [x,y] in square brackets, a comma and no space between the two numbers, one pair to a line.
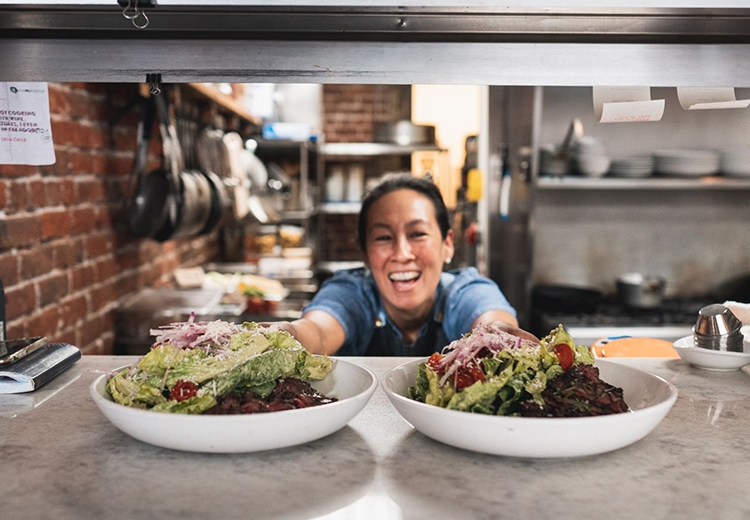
[147,208]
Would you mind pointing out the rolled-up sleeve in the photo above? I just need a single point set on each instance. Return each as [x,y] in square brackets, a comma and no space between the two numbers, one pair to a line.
[344,296]
[470,296]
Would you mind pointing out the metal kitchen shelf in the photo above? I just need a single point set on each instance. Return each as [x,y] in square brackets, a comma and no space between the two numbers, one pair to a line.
[372,149]
[340,208]
[651,183]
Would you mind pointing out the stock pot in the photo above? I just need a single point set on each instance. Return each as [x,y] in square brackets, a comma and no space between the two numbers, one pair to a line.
[640,291]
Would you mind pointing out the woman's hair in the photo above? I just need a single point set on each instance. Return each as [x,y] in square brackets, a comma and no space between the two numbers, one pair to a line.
[403,181]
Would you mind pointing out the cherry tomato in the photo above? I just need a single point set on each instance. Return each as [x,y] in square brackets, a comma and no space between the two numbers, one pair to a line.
[183,390]
[467,376]
[434,361]
[565,355]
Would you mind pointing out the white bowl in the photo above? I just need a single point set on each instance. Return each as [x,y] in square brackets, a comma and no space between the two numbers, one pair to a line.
[717,360]
[649,397]
[352,385]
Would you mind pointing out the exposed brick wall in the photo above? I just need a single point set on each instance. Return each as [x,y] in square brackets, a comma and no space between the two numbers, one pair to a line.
[66,259]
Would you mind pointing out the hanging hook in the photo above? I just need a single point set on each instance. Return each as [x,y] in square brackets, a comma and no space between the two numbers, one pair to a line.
[136,13]
[154,84]
[145,19]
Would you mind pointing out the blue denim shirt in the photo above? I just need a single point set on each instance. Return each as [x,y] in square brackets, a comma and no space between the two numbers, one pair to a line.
[352,298]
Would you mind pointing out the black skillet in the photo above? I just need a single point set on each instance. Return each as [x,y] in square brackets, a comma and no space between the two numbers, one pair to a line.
[147,207]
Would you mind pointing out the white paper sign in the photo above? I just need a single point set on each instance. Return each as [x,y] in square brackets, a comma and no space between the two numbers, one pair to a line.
[626,105]
[705,98]
[25,134]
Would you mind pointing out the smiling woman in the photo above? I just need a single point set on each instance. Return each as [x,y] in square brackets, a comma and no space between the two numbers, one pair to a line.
[402,303]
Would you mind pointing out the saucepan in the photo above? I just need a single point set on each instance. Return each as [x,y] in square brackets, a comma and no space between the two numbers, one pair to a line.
[640,291]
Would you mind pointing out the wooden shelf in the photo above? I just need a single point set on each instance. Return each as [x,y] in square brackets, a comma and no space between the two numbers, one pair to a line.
[224,102]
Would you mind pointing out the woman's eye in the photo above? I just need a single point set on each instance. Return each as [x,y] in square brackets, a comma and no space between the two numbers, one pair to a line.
[382,238]
[418,234]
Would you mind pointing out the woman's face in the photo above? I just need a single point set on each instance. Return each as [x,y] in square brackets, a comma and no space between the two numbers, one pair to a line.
[406,252]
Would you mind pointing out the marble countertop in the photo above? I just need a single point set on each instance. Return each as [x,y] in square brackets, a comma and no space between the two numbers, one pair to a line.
[60,458]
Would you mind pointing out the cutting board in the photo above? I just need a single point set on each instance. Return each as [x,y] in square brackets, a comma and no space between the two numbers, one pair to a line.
[633,347]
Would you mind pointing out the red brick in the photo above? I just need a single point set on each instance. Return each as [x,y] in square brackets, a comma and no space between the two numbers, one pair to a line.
[2,195]
[121,165]
[9,268]
[103,218]
[53,288]
[55,223]
[73,309]
[66,336]
[65,254]
[76,104]
[82,277]
[17,329]
[19,196]
[20,301]
[106,268]
[83,220]
[58,192]
[90,330]
[36,261]
[17,170]
[44,323]
[98,245]
[63,164]
[20,230]
[105,294]
[90,190]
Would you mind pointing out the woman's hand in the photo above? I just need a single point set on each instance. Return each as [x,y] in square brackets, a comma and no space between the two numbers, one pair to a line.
[504,321]
[511,329]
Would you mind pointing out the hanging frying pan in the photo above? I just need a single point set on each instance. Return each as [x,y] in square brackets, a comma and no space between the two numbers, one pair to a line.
[171,147]
[146,210]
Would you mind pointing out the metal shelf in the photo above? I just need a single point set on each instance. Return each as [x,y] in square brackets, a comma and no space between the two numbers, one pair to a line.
[340,208]
[651,183]
[372,149]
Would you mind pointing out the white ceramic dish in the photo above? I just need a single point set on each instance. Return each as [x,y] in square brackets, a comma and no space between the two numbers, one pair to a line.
[711,359]
[649,397]
[352,385]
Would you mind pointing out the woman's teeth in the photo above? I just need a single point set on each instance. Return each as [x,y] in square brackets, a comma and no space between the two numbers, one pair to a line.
[404,276]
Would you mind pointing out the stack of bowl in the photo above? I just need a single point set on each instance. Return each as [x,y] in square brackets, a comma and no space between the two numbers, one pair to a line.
[590,157]
[717,328]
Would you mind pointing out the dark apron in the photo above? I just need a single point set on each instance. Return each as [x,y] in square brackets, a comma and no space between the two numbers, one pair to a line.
[386,341]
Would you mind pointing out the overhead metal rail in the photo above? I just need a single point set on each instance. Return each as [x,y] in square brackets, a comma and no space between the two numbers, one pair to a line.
[471,24]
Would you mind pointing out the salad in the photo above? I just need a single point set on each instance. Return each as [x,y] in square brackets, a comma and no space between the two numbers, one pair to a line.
[194,366]
[490,371]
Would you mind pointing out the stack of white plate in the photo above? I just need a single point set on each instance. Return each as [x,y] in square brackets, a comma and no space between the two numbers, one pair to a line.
[736,163]
[687,163]
[632,167]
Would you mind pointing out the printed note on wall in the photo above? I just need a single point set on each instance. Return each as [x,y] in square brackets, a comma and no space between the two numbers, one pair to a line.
[706,98]
[25,134]
[626,105]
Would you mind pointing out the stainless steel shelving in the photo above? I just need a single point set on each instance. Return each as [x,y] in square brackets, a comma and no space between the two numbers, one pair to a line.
[650,183]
